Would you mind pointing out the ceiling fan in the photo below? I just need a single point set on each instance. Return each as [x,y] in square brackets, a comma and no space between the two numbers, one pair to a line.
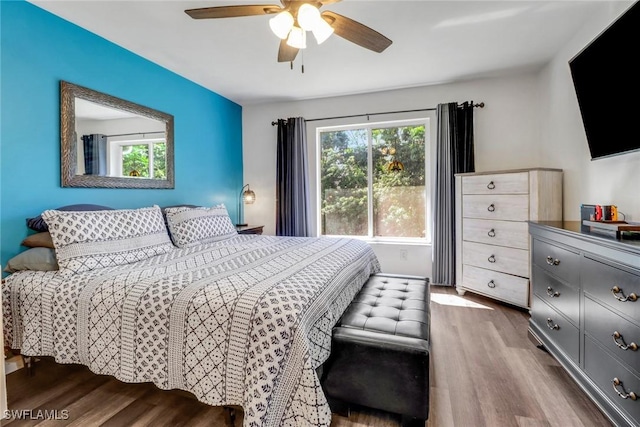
[294,18]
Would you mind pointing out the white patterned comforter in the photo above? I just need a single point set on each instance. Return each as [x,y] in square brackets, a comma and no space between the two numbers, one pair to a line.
[243,321]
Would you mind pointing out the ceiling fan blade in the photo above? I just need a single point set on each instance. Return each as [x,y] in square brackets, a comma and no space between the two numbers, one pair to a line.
[329,1]
[356,32]
[233,11]
[286,53]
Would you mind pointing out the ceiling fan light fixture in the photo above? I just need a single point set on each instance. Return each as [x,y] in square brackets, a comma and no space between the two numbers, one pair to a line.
[322,31]
[297,38]
[292,19]
[281,24]
[308,17]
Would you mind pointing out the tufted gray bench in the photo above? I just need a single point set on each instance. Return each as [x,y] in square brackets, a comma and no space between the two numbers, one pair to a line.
[380,350]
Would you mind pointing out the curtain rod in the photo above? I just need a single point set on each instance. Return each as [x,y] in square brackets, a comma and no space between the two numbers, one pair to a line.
[136,133]
[478,105]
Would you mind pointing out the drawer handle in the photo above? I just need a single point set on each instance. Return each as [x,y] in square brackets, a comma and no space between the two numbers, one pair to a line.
[616,290]
[491,233]
[491,284]
[491,185]
[551,293]
[492,259]
[552,261]
[617,336]
[552,325]
[617,383]
[491,208]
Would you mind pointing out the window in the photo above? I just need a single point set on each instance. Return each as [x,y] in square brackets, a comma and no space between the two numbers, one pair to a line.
[132,158]
[372,180]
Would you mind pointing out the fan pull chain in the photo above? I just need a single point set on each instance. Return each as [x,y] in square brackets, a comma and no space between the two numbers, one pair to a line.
[302,60]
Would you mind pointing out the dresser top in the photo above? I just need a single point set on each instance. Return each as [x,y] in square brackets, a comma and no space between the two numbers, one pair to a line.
[573,229]
[508,171]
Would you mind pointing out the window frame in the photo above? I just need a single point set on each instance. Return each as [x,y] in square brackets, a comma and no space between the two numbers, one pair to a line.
[115,154]
[368,127]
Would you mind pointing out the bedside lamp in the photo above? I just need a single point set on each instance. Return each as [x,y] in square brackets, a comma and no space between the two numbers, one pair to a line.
[247,196]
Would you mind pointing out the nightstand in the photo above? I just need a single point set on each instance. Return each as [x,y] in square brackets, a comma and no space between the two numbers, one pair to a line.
[250,229]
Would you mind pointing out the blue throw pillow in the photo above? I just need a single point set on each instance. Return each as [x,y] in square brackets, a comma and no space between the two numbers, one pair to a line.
[38,224]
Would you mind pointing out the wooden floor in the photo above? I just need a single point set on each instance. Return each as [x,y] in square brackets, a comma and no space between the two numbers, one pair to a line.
[484,372]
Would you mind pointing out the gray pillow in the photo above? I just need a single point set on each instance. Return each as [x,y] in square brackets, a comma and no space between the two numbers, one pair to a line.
[38,224]
[36,259]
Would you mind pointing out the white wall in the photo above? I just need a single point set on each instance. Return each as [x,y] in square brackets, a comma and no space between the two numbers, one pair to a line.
[507,134]
[613,180]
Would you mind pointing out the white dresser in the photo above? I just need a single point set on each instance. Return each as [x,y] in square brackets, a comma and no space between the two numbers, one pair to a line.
[492,238]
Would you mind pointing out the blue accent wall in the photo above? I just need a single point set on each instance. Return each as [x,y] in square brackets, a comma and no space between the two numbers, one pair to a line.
[37,51]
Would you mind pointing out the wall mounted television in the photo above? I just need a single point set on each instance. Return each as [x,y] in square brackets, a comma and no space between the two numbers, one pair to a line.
[607,84]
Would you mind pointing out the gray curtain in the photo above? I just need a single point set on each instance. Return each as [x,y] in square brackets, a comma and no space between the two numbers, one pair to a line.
[95,154]
[292,191]
[454,155]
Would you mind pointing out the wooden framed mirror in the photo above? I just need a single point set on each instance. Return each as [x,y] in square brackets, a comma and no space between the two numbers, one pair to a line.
[107,142]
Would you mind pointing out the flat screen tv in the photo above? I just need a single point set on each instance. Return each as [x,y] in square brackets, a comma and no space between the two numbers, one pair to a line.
[606,78]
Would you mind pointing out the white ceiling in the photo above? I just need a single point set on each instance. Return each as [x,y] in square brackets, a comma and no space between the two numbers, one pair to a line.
[433,42]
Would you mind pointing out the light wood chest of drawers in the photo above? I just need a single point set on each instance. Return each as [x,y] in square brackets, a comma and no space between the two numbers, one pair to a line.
[492,239]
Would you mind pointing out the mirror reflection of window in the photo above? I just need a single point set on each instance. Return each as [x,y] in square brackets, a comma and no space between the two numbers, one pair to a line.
[126,139]
[132,159]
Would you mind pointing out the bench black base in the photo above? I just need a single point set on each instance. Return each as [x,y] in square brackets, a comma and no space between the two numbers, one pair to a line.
[380,350]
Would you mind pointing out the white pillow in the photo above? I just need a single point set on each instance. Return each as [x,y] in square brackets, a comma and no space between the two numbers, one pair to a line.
[192,226]
[95,239]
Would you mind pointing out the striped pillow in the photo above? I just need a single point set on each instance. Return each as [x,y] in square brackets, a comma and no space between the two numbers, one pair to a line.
[192,226]
[95,239]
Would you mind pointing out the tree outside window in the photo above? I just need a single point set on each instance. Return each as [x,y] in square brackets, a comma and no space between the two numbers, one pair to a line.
[373,181]
[137,162]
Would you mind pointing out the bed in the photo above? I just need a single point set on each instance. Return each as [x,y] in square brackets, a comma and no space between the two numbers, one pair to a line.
[242,320]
